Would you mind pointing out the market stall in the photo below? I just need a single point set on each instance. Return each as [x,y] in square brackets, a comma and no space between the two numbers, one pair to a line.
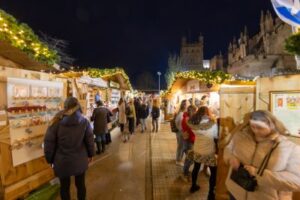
[28,102]
[118,86]
[29,99]
[200,88]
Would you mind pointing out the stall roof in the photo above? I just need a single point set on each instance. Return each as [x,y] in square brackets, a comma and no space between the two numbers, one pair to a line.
[20,44]
[180,79]
[115,74]
[23,60]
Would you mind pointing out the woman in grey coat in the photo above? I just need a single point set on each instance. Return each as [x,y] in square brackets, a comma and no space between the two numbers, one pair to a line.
[69,147]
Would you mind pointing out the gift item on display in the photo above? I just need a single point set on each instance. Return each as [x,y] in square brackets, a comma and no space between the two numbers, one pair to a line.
[31,104]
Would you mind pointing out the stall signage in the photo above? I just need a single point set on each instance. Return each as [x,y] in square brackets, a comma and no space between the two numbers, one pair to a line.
[93,81]
[193,86]
[113,84]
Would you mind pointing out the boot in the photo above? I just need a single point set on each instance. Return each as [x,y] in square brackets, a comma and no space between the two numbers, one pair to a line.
[98,147]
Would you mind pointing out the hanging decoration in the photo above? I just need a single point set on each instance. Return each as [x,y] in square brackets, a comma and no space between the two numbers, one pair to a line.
[21,36]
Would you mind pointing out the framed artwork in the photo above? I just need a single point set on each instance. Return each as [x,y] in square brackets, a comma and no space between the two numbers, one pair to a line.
[285,105]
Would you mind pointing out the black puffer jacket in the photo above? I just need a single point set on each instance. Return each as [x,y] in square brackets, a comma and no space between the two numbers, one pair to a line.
[68,144]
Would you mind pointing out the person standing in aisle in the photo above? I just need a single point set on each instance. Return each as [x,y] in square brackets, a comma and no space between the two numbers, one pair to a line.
[122,118]
[188,138]
[131,116]
[137,105]
[144,112]
[101,117]
[179,134]
[205,128]
[69,147]
[155,115]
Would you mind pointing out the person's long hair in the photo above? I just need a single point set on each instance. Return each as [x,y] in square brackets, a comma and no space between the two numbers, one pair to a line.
[198,116]
[183,105]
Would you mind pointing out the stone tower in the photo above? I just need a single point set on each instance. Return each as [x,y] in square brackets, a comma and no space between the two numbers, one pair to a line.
[191,54]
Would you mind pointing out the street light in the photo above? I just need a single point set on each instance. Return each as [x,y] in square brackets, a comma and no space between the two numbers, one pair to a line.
[158,73]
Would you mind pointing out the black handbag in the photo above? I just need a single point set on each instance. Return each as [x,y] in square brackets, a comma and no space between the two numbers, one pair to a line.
[244,179]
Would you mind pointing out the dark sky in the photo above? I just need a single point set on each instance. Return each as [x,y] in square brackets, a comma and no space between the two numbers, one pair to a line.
[137,35]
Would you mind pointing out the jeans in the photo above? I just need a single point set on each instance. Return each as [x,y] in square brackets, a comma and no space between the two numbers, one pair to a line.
[143,124]
[101,138]
[212,179]
[131,124]
[65,187]
[187,145]
[101,142]
[155,124]
[179,151]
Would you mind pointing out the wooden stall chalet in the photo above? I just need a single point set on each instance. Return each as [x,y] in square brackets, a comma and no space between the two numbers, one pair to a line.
[279,94]
[193,85]
[236,99]
[118,83]
[118,86]
[83,87]
[29,99]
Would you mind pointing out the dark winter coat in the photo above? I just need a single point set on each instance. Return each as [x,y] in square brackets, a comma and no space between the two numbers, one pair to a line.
[101,117]
[68,144]
[144,111]
[155,112]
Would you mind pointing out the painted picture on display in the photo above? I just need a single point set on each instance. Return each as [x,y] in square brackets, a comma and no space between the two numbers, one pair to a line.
[286,107]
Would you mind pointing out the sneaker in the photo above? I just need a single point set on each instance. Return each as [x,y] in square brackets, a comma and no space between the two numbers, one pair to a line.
[194,188]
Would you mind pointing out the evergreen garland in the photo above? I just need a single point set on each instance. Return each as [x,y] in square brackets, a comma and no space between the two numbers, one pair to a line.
[292,44]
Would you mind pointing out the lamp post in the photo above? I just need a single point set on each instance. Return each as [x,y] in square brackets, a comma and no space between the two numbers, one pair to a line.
[158,73]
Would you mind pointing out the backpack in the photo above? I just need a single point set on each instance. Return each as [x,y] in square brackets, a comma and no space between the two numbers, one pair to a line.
[127,110]
[173,126]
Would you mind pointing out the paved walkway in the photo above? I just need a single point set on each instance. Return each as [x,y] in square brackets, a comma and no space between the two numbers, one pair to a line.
[143,168]
[168,182]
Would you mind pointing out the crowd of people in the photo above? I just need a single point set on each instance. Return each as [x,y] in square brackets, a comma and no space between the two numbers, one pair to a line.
[263,163]
[70,140]
[196,133]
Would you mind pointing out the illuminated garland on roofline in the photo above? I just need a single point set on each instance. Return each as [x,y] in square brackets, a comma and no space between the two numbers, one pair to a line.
[104,73]
[21,36]
[209,77]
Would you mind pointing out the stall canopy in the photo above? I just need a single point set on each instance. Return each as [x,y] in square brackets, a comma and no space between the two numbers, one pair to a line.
[115,75]
[20,44]
[180,79]
[22,60]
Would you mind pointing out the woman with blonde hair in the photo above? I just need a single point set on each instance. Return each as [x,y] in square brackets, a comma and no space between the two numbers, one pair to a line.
[131,116]
[260,149]
[206,131]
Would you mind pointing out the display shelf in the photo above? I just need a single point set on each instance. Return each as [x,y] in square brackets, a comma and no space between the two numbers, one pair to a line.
[31,104]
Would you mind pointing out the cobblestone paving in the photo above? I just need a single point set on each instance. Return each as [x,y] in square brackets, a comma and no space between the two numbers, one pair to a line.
[168,182]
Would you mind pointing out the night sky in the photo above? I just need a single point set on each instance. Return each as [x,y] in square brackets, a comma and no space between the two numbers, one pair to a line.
[137,35]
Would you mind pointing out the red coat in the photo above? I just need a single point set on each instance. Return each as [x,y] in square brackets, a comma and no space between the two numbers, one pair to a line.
[186,128]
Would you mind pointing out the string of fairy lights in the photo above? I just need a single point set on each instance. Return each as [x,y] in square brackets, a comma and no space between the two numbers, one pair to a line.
[209,77]
[21,36]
